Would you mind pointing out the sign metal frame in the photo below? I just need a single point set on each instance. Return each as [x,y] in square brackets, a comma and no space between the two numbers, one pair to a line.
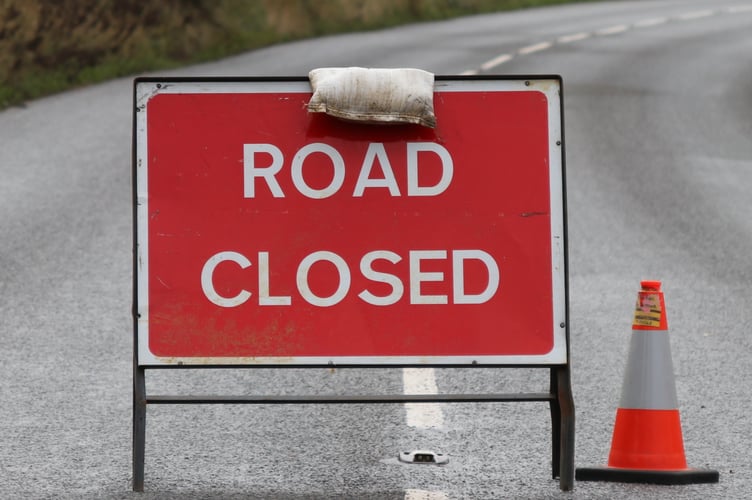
[559,395]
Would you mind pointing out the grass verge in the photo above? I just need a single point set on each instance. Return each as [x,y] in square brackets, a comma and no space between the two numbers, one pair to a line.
[48,47]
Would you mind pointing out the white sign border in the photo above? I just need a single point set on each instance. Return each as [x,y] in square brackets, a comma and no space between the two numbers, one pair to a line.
[146,88]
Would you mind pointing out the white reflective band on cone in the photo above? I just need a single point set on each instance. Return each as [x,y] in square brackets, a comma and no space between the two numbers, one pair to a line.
[649,377]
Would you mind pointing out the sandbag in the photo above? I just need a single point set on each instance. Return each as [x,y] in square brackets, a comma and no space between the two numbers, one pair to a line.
[374,95]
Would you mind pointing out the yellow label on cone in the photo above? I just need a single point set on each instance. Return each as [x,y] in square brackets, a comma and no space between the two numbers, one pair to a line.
[648,311]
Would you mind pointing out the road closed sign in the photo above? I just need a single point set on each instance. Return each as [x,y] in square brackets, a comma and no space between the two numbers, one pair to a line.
[266,234]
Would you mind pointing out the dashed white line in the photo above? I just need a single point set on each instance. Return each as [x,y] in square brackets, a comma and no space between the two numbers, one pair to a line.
[649,23]
[574,37]
[612,30]
[698,14]
[422,415]
[412,494]
[738,9]
[534,48]
[496,61]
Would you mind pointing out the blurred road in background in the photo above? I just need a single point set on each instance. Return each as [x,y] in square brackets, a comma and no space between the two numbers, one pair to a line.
[658,121]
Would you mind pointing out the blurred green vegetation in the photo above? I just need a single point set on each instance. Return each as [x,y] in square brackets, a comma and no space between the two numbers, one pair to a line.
[47,46]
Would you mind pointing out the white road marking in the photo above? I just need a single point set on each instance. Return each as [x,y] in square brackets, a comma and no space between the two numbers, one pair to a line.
[422,415]
[534,48]
[649,23]
[737,9]
[496,61]
[698,14]
[612,30]
[574,37]
[412,494]
[469,72]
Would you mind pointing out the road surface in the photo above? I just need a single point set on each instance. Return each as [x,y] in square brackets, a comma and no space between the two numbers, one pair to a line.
[658,120]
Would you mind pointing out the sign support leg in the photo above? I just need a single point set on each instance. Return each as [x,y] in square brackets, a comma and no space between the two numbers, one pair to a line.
[555,426]
[562,427]
[139,427]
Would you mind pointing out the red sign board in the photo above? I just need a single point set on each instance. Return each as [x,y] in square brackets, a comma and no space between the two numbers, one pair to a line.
[269,235]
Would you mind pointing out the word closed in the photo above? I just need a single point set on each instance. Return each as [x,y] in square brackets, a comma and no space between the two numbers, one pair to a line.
[342,271]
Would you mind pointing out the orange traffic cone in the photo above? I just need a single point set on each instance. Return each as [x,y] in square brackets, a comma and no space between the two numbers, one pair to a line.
[647,444]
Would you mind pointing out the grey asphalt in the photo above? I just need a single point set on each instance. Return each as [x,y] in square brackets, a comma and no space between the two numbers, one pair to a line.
[658,120]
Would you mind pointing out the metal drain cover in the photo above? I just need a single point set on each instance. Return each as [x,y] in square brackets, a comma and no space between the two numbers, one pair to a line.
[423,457]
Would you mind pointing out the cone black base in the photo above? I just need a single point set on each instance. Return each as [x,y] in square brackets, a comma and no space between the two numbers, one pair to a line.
[616,475]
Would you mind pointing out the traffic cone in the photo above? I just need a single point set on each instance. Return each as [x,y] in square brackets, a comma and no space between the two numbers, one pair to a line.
[647,444]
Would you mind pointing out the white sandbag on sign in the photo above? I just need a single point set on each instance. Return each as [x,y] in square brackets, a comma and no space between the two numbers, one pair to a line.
[401,95]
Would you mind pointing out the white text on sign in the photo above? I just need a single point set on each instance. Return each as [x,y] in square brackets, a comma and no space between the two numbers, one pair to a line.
[263,162]
[417,276]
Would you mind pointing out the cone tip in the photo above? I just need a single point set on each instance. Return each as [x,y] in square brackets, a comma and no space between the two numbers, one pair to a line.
[652,285]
